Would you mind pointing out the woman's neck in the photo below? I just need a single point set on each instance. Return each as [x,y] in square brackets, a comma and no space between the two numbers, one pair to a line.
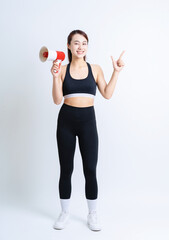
[78,62]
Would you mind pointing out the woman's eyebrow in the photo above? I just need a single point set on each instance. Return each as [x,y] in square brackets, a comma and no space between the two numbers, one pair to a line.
[79,41]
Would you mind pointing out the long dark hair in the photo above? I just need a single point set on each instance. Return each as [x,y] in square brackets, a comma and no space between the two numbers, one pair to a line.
[69,38]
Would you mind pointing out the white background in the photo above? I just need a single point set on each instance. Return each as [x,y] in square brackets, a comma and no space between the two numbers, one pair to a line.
[133,127]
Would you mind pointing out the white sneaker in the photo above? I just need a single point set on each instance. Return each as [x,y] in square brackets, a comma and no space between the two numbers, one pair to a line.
[92,222]
[62,220]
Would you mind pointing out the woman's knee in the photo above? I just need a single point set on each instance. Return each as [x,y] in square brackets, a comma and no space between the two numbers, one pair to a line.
[90,172]
[66,173]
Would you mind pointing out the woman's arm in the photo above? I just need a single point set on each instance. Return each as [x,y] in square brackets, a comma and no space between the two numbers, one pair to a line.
[57,93]
[106,89]
[111,85]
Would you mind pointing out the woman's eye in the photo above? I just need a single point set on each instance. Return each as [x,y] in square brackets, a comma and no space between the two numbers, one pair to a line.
[83,43]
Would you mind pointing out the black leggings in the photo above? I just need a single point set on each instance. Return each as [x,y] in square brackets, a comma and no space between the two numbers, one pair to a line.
[81,122]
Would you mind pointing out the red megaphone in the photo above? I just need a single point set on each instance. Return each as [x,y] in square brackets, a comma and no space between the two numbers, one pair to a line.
[50,55]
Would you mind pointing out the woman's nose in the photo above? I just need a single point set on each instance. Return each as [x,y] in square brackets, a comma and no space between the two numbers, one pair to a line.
[80,47]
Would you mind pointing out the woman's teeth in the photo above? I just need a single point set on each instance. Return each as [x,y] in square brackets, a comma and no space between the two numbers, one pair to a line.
[80,52]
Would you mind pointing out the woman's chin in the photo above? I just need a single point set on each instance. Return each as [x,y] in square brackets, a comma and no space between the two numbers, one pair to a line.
[77,56]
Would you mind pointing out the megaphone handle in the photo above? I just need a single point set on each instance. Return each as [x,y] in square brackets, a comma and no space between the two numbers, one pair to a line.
[59,66]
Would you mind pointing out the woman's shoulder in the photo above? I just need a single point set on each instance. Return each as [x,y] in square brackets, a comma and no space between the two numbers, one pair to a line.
[95,66]
[64,66]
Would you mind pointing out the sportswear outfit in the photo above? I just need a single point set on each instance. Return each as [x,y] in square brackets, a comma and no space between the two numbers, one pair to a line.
[77,122]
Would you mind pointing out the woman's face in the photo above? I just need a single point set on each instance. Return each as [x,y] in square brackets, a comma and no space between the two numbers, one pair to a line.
[78,46]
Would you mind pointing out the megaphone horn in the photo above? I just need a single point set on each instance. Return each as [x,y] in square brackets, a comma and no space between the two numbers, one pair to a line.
[49,55]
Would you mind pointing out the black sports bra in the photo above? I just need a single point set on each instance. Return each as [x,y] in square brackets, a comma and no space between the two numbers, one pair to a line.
[79,87]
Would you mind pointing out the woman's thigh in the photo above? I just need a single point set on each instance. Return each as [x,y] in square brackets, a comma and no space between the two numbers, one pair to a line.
[88,144]
[66,142]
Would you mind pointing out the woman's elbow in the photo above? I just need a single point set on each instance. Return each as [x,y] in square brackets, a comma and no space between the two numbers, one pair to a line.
[107,97]
[58,102]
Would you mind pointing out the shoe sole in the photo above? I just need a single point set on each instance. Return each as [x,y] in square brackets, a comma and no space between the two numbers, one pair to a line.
[95,230]
[60,228]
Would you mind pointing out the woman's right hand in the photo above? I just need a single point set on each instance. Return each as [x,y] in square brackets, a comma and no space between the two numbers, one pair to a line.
[56,69]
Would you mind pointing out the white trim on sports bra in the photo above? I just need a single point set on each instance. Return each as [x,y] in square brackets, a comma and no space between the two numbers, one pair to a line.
[79,95]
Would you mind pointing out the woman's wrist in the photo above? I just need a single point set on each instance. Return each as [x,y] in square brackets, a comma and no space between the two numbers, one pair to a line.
[116,71]
[55,78]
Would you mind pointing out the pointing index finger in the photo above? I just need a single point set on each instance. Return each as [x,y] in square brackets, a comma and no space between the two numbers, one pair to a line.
[121,54]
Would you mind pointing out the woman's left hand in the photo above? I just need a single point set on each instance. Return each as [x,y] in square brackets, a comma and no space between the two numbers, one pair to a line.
[119,64]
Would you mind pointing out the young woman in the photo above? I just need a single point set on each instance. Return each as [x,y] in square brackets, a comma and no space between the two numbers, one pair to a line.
[77,82]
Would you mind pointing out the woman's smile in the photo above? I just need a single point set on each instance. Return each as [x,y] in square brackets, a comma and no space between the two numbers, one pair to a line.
[80,52]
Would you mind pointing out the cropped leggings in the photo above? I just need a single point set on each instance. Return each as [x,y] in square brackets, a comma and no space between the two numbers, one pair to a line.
[81,122]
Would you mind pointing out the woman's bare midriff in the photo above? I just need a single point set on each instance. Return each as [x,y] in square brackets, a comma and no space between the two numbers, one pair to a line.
[79,101]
